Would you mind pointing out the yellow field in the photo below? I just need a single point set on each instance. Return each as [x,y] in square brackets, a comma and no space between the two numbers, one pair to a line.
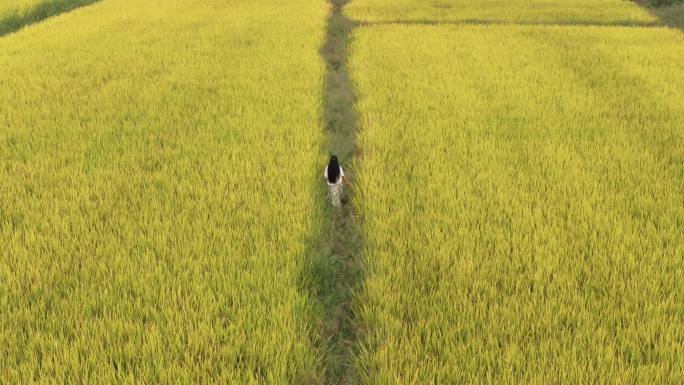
[515,216]
[158,163]
[521,11]
[523,203]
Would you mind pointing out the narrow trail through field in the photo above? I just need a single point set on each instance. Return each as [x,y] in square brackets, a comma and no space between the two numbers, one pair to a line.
[338,269]
[41,11]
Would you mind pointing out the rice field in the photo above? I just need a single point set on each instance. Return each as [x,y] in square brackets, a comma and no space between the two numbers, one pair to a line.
[516,215]
[522,189]
[154,217]
[500,11]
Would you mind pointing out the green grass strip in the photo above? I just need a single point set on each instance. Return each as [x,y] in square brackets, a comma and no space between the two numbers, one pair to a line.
[336,269]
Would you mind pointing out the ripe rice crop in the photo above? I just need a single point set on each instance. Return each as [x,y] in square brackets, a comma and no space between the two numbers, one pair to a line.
[158,171]
[522,189]
[518,192]
[521,11]
[15,14]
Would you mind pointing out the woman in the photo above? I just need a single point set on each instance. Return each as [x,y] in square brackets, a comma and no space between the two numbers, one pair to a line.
[334,175]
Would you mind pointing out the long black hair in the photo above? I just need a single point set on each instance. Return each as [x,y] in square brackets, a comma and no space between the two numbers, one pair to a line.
[333,170]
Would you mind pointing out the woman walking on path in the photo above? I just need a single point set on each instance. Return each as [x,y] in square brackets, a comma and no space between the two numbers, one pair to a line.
[334,175]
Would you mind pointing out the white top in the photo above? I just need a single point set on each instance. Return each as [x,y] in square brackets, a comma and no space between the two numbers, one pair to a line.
[339,180]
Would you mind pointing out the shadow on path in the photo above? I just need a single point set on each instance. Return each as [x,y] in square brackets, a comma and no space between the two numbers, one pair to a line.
[18,20]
